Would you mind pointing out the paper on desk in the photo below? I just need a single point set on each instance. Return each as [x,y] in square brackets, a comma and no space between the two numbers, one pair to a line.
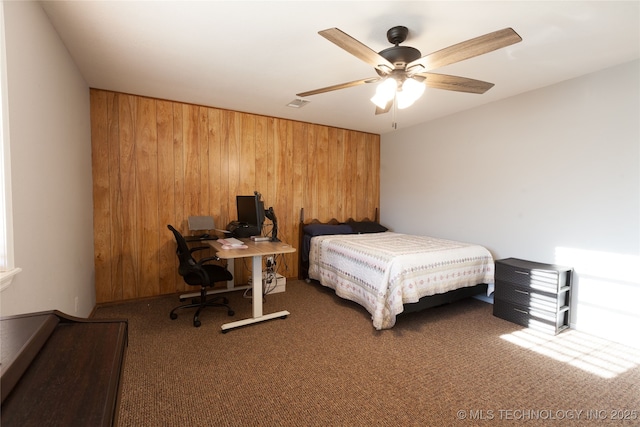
[232,243]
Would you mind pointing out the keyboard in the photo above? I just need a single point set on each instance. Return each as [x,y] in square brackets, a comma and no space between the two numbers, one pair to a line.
[231,241]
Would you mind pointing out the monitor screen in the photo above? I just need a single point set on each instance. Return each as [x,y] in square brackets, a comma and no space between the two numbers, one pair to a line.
[250,210]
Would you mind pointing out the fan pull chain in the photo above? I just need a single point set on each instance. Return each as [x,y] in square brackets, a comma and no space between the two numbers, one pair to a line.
[394,124]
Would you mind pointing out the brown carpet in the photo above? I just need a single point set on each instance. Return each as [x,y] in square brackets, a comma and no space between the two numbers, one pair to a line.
[325,365]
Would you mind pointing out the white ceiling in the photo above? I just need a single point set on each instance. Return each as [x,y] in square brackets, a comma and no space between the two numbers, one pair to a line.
[255,56]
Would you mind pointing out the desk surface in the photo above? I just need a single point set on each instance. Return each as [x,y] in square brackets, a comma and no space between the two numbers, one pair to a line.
[254,249]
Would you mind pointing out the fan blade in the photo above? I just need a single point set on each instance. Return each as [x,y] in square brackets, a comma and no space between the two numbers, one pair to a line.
[458,84]
[357,49]
[465,50]
[338,86]
[385,109]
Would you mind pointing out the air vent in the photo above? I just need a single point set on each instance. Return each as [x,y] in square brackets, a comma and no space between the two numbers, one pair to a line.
[298,103]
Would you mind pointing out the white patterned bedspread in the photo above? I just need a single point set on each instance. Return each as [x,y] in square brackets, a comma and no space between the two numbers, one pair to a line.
[383,271]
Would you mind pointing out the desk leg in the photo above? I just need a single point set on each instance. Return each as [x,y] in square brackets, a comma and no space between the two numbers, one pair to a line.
[231,267]
[256,281]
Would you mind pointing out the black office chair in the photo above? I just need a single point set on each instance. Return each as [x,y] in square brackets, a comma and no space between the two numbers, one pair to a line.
[197,273]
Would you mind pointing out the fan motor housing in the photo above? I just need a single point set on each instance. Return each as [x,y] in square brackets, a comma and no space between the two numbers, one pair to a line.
[399,56]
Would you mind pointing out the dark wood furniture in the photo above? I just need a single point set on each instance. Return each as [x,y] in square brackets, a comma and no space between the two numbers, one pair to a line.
[59,370]
[533,294]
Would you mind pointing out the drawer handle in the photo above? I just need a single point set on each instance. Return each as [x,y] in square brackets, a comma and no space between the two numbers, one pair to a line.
[521,292]
[526,273]
[520,311]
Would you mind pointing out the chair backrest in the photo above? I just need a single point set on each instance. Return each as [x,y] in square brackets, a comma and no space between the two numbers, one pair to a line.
[187,262]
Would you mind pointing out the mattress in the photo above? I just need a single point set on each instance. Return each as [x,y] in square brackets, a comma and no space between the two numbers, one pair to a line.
[384,271]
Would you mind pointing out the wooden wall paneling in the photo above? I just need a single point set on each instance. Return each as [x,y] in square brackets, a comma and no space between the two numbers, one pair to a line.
[168,160]
[216,195]
[348,184]
[232,137]
[284,194]
[179,111]
[373,144]
[147,197]
[361,169]
[299,183]
[263,160]
[116,286]
[191,150]
[311,194]
[335,170]
[221,129]
[247,155]
[300,169]
[276,142]
[270,184]
[130,262]
[342,172]
[101,199]
[324,208]
[166,198]
[203,151]
[367,190]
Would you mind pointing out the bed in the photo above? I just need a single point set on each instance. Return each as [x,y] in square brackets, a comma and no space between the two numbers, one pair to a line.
[389,273]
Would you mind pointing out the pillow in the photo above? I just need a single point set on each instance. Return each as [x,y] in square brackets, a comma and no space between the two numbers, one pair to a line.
[360,227]
[324,229]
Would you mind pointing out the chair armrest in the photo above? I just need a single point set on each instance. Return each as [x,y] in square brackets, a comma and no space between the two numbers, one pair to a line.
[199,248]
[205,260]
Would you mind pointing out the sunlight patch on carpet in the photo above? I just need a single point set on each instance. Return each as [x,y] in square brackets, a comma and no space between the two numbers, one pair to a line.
[595,355]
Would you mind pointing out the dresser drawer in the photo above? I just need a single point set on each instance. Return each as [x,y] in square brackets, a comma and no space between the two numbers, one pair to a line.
[528,274]
[530,298]
[530,317]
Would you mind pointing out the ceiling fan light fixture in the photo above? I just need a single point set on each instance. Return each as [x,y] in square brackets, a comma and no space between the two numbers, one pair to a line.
[411,91]
[385,92]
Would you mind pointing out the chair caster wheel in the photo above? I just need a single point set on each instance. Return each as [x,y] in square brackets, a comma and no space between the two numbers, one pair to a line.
[231,313]
[173,316]
[196,323]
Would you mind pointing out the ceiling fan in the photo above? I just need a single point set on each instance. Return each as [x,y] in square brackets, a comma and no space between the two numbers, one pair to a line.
[404,73]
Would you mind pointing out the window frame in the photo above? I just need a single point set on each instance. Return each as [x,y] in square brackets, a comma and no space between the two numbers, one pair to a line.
[8,270]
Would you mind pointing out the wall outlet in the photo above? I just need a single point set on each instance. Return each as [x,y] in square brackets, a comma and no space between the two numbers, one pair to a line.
[270,262]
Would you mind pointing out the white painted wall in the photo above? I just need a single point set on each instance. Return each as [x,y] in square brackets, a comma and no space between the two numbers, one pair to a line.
[552,175]
[49,118]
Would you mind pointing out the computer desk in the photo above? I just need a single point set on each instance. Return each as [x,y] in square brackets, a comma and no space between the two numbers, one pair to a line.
[255,250]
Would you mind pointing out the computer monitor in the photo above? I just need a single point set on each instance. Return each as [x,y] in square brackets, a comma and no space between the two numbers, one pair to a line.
[250,210]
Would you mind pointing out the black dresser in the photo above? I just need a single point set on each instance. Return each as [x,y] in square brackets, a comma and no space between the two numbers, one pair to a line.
[533,294]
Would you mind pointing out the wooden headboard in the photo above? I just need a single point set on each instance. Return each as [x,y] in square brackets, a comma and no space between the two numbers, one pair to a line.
[333,220]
